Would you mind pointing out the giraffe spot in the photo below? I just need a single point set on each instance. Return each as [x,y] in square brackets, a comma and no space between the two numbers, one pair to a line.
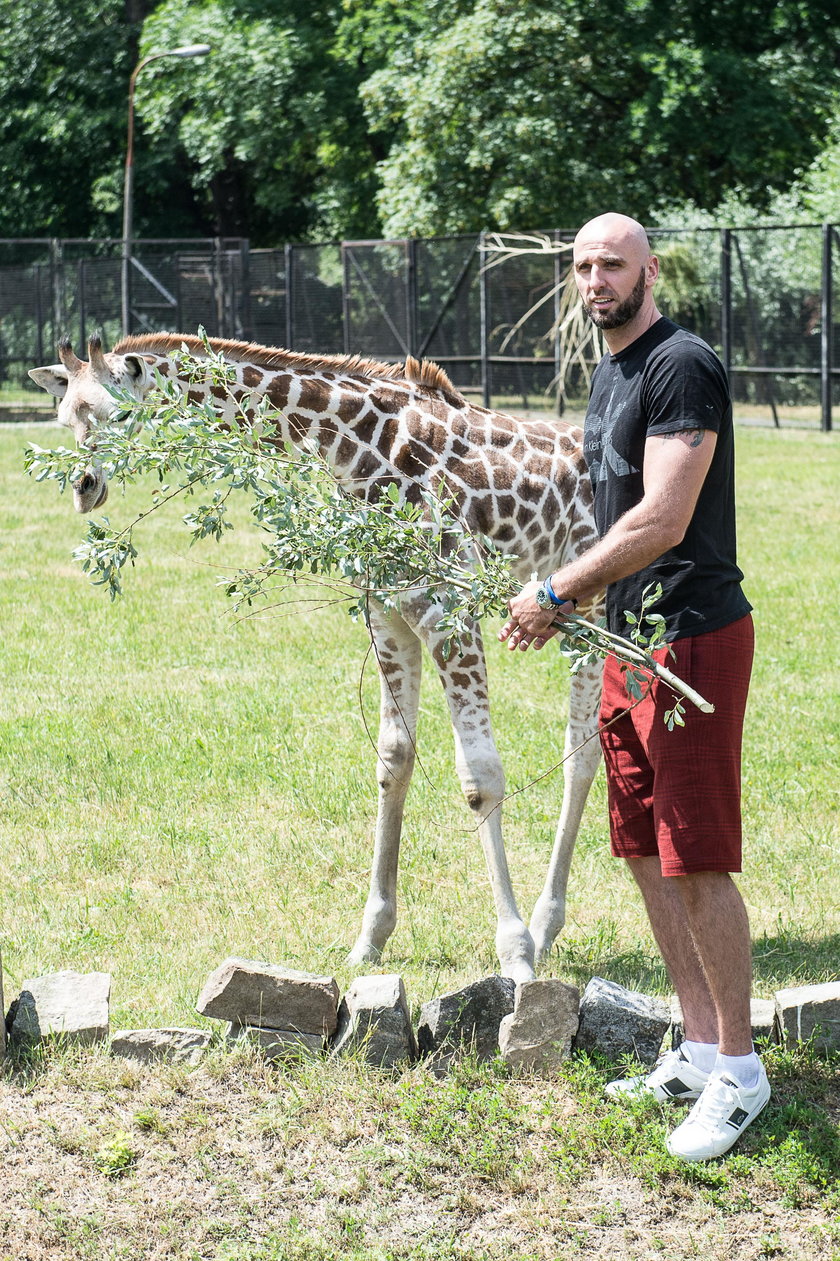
[298,425]
[534,531]
[366,427]
[388,435]
[469,660]
[389,667]
[505,506]
[461,680]
[351,405]
[219,392]
[366,466]
[481,513]
[469,473]
[410,461]
[314,395]
[347,449]
[251,376]
[391,402]
[524,516]
[533,487]
[582,533]
[504,534]
[196,396]
[278,390]
[163,368]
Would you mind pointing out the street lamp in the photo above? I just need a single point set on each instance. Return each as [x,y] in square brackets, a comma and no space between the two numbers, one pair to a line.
[188,50]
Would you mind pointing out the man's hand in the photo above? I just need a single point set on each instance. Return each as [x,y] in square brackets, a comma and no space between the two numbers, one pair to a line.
[529,624]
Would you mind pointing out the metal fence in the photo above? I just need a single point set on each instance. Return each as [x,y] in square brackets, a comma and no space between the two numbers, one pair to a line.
[763,297]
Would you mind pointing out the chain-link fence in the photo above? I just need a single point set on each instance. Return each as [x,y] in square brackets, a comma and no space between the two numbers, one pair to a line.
[763,297]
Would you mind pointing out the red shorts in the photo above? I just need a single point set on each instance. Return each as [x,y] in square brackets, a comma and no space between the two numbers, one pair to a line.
[678,793]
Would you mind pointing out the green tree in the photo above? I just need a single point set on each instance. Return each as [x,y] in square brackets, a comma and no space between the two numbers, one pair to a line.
[270,123]
[64,68]
[539,113]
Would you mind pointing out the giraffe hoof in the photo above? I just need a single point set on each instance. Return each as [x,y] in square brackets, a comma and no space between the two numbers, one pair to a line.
[363,952]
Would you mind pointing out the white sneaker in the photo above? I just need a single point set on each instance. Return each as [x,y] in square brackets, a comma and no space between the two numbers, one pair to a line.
[719,1117]
[674,1077]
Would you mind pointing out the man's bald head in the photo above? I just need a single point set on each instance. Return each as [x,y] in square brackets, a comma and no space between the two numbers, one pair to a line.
[620,231]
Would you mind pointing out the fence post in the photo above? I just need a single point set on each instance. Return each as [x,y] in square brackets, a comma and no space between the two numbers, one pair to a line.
[57,278]
[246,329]
[826,327]
[726,300]
[411,295]
[345,294]
[560,388]
[484,306]
[288,266]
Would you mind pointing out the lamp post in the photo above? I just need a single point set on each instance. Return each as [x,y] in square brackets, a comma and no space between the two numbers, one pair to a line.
[188,50]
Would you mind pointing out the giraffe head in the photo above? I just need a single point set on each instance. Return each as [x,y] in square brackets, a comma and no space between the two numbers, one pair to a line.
[85,403]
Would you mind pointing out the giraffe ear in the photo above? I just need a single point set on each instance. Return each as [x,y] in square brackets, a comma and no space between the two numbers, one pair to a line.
[53,379]
[137,367]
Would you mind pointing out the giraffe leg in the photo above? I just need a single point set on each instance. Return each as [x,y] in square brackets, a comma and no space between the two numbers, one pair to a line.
[482,780]
[399,657]
[578,773]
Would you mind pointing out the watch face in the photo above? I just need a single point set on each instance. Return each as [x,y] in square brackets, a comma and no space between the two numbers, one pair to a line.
[542,598]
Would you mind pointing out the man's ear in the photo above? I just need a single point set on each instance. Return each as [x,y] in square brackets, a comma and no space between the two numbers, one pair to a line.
[53,379]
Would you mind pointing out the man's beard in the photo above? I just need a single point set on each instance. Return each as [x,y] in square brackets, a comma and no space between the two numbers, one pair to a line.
[624,312]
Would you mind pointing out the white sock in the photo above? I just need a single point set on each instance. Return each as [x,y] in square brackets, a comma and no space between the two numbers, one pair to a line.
[701,1054]
[744,1068]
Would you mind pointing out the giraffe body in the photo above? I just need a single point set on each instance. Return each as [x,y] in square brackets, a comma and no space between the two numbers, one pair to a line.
[522,483]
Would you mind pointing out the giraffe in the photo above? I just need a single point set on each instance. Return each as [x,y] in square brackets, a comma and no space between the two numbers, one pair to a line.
[520,482]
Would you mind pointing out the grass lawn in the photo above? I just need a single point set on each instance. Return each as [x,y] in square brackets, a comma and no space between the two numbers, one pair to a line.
[177,787]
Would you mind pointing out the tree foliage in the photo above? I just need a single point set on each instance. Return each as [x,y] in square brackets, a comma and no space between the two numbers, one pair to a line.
[341,118]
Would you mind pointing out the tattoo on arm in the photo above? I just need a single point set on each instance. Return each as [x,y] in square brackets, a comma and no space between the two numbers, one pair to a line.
[691,437]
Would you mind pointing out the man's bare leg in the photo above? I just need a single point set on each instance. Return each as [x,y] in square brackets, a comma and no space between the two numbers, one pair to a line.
[701,928]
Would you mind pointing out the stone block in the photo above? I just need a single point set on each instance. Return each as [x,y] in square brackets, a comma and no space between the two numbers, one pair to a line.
[72,1005]
[617,1022]
[538,1033]
[374,1022]
[810,1013]
[466,1020]
[178,1046]
[762,1019]
[246,992]
[277,1044]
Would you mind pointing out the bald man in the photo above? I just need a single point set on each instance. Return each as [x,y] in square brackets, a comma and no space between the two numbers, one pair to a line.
[658,441]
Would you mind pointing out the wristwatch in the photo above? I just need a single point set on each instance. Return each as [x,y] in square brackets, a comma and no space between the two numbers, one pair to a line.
[546,599]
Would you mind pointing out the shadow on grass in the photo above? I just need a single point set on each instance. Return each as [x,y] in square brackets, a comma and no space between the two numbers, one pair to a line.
[786,960]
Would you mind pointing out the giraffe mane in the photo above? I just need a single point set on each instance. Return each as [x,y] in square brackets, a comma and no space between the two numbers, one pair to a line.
[415,372]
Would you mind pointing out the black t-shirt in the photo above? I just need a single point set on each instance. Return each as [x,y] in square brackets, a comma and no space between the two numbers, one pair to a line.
[667,381]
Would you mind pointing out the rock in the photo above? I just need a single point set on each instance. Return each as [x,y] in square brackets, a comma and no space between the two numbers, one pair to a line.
[810,1013]
[762,1018]
[265,995]
[277,1044]
[539,1030]
[374,1022]
[179,1046]
[619,1022]
[466,1020]
[72,1005]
